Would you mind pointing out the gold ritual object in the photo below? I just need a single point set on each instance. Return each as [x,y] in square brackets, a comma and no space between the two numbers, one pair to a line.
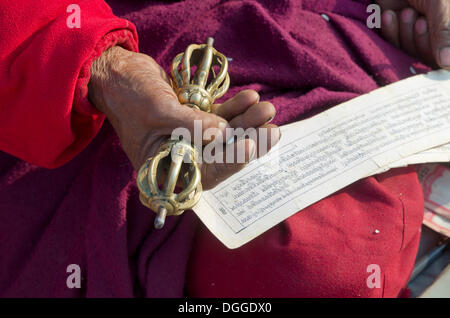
[176,160]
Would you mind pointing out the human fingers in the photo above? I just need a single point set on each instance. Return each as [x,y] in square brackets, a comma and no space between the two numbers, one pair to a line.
[225,160]
[422,41]
[390,27]
[255,116]
[236,105]
[408,17]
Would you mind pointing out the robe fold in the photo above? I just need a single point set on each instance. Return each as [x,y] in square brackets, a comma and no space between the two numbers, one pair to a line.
[303,56]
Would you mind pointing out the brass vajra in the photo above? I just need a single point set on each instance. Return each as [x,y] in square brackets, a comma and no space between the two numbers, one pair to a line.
[195,93]
[176,160]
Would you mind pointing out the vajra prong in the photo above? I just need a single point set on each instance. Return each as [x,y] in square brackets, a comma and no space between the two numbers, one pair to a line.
[176,160]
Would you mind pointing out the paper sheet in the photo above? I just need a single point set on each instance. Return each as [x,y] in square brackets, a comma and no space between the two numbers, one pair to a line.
[438,154]
[435,180]
[321,155]
[440,287]
[436,222]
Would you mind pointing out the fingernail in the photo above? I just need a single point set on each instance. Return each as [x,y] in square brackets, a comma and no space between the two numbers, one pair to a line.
[445,57]
[421,27]
[271,118]
[407,16]
[387,17]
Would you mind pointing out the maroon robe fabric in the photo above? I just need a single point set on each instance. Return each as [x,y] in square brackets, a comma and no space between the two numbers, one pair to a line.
[88,213]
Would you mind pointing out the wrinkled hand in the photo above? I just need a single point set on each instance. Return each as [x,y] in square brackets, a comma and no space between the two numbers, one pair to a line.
[420,27]
[134,93]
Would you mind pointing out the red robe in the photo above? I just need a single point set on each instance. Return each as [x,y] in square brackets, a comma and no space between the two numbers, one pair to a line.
[45,116]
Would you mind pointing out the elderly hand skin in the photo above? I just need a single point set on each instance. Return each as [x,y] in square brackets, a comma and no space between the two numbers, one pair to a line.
[420,27]
[134,93]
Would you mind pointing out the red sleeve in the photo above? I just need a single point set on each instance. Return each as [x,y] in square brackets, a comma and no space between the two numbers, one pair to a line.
[45,116]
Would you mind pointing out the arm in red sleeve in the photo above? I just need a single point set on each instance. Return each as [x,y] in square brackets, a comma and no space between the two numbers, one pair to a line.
[45,116]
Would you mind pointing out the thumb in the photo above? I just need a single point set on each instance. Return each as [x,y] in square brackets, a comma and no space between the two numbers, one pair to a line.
[439,18]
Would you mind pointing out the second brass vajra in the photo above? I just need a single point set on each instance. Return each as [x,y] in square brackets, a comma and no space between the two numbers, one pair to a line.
[176,160]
